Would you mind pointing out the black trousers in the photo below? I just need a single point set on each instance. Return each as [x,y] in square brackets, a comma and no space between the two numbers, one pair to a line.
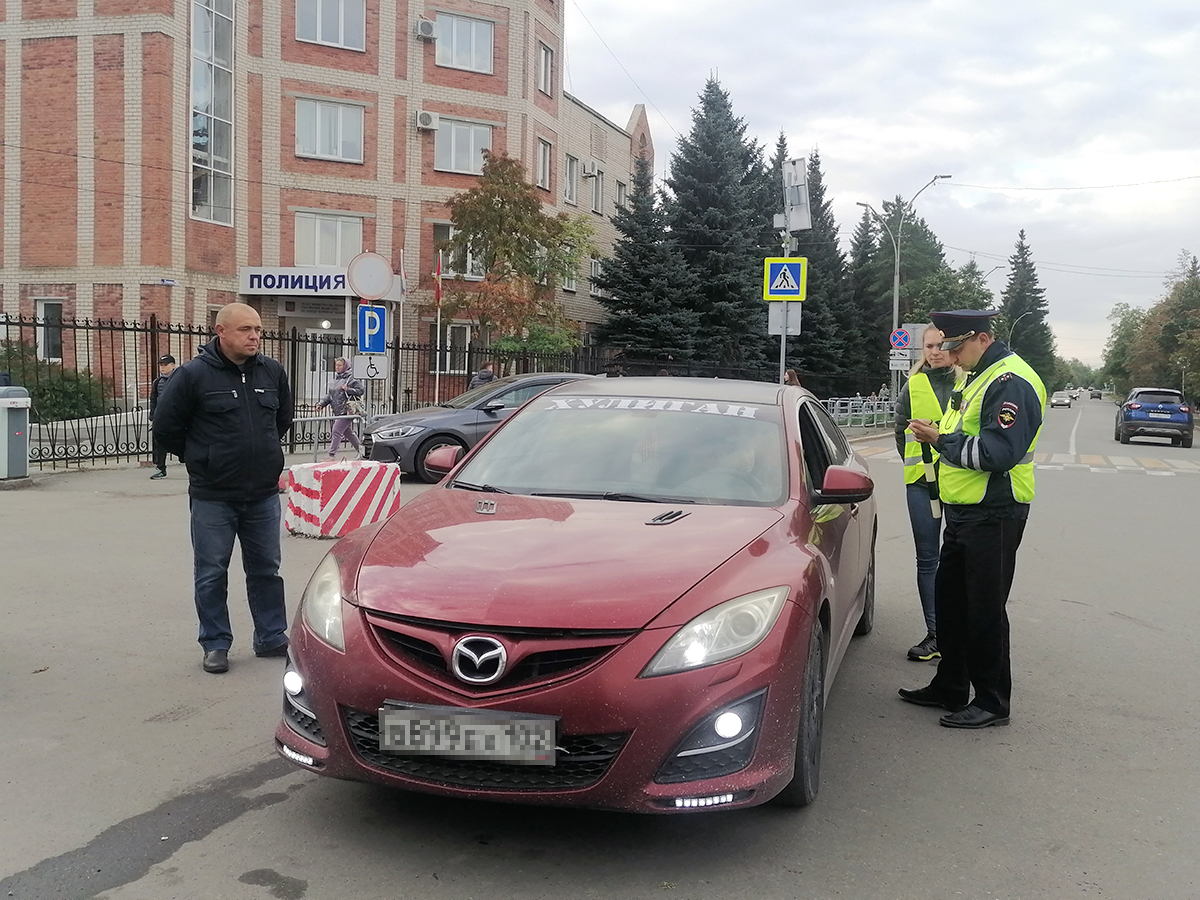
[975,573]
[159,453]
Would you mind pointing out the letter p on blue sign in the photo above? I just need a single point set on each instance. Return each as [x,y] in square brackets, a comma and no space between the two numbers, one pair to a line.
[372,330]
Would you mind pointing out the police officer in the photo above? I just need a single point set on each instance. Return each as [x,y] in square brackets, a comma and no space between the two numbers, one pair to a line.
[986,441]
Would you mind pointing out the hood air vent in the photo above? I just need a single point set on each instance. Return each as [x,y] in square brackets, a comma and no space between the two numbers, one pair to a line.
[668,517]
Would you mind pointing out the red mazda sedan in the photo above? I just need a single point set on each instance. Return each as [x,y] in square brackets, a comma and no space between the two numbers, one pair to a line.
[633,595]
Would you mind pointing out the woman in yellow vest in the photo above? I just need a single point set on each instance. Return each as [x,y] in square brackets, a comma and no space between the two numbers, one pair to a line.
[925,396]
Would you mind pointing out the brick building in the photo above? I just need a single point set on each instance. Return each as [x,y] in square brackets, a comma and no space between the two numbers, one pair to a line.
[164,157]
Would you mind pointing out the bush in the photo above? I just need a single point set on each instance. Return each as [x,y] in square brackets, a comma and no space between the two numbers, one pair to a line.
[57,393]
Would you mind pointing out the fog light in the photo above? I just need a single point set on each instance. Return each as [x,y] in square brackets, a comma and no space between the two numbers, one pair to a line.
[728,725]
[698,802]
[292,682]
[295,756]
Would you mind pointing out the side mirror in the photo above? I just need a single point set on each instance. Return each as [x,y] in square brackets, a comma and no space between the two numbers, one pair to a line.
[845,485]
[443,459]
[494,405]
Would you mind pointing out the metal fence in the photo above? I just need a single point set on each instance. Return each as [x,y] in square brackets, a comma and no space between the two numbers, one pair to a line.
[858,411]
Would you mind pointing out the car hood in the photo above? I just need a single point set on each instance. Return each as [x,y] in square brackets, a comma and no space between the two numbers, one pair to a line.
[426,415]
[545,562]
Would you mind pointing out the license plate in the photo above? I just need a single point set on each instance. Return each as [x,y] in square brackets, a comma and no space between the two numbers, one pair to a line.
[1158,415]
[412,729]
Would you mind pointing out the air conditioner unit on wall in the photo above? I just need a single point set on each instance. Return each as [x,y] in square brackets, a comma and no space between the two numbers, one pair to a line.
[589,170]
[427,29]
[427,121]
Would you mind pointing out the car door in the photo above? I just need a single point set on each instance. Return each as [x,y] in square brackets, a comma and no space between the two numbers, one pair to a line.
[837,528]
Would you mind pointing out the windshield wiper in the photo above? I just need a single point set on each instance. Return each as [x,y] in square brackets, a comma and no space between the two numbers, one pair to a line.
[486,488]
[611,495]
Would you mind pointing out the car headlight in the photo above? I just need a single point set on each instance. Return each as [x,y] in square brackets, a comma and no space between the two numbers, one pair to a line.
[322,603]
[398,431]
[722,633]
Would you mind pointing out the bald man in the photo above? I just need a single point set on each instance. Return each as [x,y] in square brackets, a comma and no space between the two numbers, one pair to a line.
[226,411]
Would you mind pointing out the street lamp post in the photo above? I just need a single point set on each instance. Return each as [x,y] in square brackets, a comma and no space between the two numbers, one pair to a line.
[1014,328]
[896,270]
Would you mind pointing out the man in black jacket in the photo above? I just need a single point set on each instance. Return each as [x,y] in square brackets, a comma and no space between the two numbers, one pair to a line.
[166,365]
[226,412]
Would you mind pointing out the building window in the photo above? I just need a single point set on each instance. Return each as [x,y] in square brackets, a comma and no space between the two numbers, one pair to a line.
[450,353]
[622,195]
[571,180]
[464,43]
[212,110]
[468,265]
[543,164]
[569,282]
[338,23]
[323,240]
[458,146]
[598,192]
[329,130]
[594,289]
[545,69]
[49,334]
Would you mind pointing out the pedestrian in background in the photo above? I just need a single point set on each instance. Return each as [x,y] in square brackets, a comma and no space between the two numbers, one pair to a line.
[340,397]
[790,378]
[166,365]
[486,375]
[925,396]
[986,440]
[226,412]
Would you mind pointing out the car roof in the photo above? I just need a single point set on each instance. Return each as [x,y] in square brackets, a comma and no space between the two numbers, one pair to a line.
[1163,390]
[720,389]
[532,376]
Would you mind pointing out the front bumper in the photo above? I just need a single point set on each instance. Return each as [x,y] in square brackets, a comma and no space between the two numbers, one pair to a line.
[615,730]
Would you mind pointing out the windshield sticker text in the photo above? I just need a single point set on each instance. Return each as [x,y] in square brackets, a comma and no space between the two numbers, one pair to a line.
[645,403]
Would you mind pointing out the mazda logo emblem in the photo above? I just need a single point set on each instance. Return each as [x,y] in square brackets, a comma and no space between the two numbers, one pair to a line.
[479,660]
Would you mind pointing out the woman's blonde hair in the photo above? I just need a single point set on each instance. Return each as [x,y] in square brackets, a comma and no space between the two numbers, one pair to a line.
[920,363]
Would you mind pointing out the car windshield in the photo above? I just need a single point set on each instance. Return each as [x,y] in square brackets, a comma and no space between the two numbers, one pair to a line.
[474,395]
[1061,394]
[1157,397]
[637,448]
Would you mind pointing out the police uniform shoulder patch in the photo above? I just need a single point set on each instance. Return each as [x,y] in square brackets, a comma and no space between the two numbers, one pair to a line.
[1007,417]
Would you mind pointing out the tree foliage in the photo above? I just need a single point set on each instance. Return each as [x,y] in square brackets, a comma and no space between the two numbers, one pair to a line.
[56,393]
[523,251]
[1024,308]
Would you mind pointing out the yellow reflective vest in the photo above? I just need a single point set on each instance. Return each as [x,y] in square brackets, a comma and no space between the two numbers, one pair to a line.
[924,405]
[965,486]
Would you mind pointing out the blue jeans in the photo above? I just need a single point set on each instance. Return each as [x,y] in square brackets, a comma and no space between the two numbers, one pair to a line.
[215,523]
[927,535]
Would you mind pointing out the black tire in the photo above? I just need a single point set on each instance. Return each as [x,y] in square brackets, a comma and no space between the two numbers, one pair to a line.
[867,620]
[806,777]
[1186,440]
[1116,432]
[1123,436]
[431,444]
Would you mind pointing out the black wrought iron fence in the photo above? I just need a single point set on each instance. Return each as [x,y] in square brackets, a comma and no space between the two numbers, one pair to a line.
[90,379]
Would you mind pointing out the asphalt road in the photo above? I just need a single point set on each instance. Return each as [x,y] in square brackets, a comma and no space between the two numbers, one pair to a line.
[129,773]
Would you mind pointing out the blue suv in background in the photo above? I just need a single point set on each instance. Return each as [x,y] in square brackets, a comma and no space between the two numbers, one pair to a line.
[1154,412]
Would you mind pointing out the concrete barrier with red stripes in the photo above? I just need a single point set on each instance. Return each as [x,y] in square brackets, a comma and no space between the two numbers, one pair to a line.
[329,499]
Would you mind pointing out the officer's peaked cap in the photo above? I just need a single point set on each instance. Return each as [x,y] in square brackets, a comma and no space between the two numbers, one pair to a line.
[960,325]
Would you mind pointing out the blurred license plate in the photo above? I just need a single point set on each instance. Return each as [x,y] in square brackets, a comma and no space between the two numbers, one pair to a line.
[415,730]
[1160,415]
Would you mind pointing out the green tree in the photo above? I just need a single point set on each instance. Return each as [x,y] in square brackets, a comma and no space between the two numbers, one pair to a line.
[523,252]
[1164,352]
[1118,351]
[647,281]
[866,363]
[947,288]
[719,199]
[1023,305]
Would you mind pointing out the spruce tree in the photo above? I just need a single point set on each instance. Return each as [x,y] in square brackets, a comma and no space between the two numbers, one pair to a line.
[866,364]
[647,281]
[719,197]
[1023,297]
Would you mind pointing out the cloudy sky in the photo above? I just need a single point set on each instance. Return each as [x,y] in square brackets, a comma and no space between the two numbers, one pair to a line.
[1077,120]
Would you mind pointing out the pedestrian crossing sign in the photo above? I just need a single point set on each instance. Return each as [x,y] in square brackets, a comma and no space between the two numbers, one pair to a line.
[785,278]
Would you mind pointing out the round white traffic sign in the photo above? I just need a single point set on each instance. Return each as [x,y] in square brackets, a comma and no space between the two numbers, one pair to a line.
[370,276]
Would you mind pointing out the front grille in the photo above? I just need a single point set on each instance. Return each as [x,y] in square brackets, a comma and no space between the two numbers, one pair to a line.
[303,724]
[706,765]
[551,662]
[418,649]
[582,761]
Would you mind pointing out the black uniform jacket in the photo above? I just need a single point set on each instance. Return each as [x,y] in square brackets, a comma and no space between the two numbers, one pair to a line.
[227,421]
[1008,422]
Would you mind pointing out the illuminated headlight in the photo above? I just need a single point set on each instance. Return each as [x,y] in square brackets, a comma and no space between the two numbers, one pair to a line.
[322,603]
[292,682]
[398,431]
[725,631]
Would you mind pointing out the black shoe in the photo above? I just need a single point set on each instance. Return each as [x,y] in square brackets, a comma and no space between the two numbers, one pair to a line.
[161,473]
[281,650]
[973,717]
[216,661]
[930,696]
[926,650]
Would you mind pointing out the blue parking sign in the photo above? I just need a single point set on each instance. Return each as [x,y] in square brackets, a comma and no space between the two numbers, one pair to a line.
[372,329]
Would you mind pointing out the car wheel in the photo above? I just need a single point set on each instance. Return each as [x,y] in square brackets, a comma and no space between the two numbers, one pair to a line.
[806,777]
[1116,432]
[1186,441]
[867,620]
[434,443]
[1123,436]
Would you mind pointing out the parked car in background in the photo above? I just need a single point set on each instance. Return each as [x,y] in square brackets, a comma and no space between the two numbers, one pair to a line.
[1154,412]
[1060,398]
[633,595]
[408,438]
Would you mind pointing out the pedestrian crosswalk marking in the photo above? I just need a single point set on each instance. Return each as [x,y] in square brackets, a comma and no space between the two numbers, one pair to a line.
[784,281]
[1091,462]
[1153,463]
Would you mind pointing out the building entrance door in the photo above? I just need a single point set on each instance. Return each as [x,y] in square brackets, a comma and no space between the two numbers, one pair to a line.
[324,346]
